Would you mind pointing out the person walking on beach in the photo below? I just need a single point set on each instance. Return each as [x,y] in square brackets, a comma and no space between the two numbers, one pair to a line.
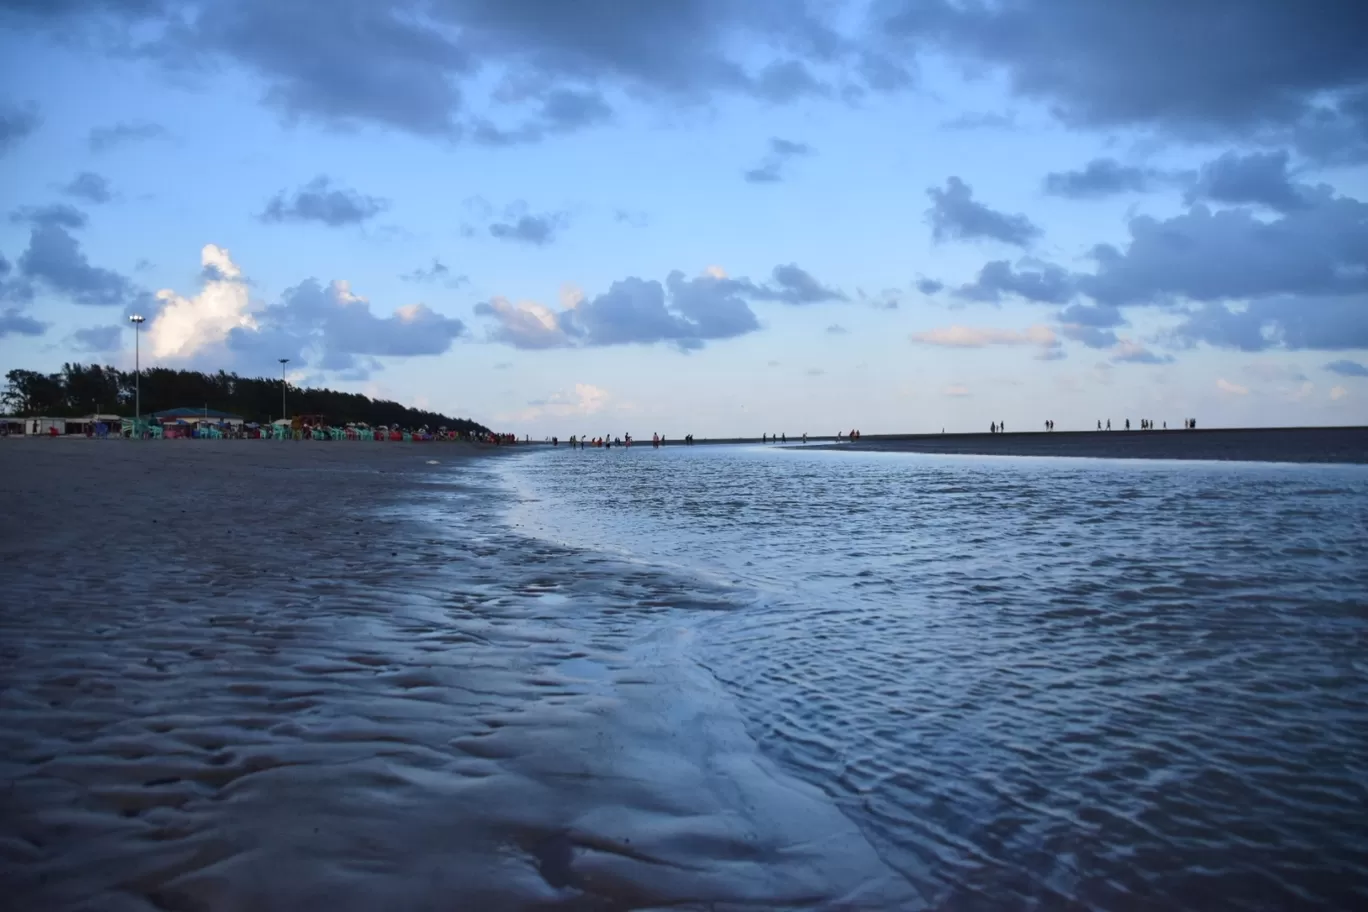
[992,428]
[804,438]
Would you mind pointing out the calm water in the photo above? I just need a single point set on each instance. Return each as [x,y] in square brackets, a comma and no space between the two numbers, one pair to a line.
[1067,683]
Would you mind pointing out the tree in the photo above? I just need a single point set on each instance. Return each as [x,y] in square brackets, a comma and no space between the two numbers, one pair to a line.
[79,389]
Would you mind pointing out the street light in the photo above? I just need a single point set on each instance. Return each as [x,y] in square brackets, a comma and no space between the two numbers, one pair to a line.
[283,362]
[137,320]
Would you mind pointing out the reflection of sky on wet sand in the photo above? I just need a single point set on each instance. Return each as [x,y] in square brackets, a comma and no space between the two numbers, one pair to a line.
[1056,681]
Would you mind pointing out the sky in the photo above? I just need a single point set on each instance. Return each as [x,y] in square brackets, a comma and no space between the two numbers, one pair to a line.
[717,217]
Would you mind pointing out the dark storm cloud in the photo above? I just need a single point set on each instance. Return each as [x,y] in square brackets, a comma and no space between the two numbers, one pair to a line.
[320,201]
[422,65]
[1264,69]
[54,260]
[771,168]
[89,186]
[1043,283]
[1260,179]
[1346,368]
[1102,177]
[956,215]
[683,312]
[537,230]
[17,122]
[102,139]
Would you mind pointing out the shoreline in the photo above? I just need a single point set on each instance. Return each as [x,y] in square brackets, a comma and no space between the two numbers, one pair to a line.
[1321,445]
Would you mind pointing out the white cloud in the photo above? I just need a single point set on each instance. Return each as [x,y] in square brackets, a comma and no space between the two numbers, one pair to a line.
[980,337]
[318,327]
[1234,389]
[956,390]
[585,399]
[188,325]
[1337,393]
[1039,336]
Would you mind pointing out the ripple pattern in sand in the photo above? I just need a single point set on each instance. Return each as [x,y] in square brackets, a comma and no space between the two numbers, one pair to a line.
[1060,684]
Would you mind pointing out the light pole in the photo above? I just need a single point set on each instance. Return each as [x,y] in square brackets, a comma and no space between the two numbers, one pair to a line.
[283,362]
[137,320]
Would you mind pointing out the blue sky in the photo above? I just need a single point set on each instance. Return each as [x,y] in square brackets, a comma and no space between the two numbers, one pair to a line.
[704,217]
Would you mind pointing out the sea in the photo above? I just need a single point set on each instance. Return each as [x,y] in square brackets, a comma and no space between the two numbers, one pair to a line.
[1024,682]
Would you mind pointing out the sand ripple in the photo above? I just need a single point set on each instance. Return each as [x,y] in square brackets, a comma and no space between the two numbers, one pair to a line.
[246,676]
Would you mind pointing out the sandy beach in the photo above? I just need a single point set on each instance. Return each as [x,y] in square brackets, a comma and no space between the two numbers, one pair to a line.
[278,676]
[1305,445]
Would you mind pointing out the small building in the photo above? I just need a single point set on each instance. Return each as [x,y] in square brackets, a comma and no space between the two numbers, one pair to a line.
[35,427]
[194,415]
[91,423]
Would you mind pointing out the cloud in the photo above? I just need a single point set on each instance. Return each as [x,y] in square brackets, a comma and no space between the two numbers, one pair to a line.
[929,286]
[1259,179]
[103,139]
[836,329]
[320,201]
[17,123]
[1180,69]
[582,401]
[54,259]
[771,167]
[1042,283]
[792,285]
[1040,336]
[1202,255]
[327,327]
[1337,393]
[1233,389]
[1100,178]
[956,391]
[1127,352]
[980,121]
[454,69]
[1347,368]
[98,339]
[956,215]
[815,372]
[683,312]
[14,322]
[89,186]
[536,230]
[438,272]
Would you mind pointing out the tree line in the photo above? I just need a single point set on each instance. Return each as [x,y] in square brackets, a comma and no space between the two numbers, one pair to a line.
[85,389]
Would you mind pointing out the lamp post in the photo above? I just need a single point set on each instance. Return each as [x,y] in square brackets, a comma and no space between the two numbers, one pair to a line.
[283,362]
[137,320]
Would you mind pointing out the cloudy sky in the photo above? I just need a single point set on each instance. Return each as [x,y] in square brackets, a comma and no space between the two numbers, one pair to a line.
[706,216]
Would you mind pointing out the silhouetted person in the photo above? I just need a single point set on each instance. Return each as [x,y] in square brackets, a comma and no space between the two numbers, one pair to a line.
[1109,424]
[992,428]
[1128,424]
[783,438]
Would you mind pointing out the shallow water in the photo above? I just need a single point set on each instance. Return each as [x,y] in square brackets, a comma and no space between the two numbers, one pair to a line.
[1060,683]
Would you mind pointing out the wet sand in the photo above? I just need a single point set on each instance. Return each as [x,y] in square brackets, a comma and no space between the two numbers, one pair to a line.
[258,675]
[1305,445]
